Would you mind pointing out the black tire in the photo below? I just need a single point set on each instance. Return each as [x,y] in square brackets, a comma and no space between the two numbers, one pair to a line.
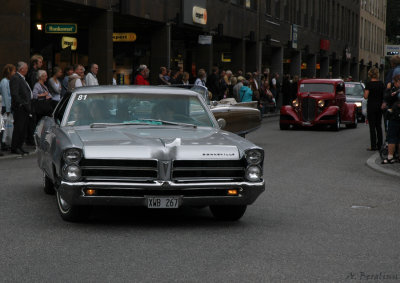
[336,127]
[284,127]
[228,212]
[353,125]
[48,186]
[71,213]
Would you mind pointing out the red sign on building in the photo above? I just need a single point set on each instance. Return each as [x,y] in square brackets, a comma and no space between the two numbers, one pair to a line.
[324,44]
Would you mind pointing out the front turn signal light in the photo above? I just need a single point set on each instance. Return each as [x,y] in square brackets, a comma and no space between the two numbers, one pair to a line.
[90,192]
[232,192]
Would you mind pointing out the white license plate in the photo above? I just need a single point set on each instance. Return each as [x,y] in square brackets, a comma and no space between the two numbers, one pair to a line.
[162,202]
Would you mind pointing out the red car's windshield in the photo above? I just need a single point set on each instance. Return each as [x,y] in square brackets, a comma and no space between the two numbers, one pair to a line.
[317,88]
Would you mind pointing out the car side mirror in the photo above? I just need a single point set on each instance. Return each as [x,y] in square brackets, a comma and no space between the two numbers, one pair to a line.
[214,103]
[221,123]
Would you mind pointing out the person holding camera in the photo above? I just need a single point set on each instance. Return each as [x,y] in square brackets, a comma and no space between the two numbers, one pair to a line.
[392,102]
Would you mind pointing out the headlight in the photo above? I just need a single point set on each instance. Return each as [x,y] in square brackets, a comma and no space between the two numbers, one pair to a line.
[254,156]
[72,173]
[295,103]
[253,173]
[358,104]
[321,103]
[72,155]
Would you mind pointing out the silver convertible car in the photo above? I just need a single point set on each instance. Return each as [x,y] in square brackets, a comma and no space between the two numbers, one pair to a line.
[145,146]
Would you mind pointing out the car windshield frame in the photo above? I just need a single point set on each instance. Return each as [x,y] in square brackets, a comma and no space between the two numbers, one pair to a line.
[354,85]
[191,97]
[332,86]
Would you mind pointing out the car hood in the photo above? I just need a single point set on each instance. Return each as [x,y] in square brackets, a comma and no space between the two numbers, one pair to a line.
[163,143]
[317,95]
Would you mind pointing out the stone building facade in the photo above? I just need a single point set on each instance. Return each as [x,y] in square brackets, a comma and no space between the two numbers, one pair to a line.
[309,38]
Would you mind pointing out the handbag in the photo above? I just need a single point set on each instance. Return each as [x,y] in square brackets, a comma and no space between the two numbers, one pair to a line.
[8,123]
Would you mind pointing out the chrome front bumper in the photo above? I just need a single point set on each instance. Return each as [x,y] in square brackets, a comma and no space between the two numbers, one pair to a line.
[134,194]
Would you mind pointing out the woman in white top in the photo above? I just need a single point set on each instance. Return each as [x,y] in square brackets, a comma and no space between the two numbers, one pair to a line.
[201,78]
[55,86]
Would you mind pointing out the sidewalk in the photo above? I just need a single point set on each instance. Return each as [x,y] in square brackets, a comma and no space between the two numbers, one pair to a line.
[374,162]
[9,155]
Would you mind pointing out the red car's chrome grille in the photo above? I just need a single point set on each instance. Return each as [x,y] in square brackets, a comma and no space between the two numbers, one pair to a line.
[308,107]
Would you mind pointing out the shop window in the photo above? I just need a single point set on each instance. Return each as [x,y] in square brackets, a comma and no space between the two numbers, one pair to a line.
[237,2]
[278,9]
[268,9]
[250,4]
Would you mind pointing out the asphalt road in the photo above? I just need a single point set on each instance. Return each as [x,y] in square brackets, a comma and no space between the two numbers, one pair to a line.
[325,217]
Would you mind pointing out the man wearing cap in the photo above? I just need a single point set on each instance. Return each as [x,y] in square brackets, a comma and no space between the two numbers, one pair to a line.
[142,76]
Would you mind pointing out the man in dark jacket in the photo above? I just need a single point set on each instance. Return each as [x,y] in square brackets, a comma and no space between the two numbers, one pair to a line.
[21,95]
[213,84]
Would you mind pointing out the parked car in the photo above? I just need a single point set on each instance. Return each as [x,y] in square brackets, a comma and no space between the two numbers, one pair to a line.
[319,102]
[355,94]
[241,117]
[145,146]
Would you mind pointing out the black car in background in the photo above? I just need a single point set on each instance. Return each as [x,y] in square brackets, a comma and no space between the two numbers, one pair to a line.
[355,94]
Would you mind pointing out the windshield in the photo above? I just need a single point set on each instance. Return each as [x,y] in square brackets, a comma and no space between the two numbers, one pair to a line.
[152,109]
[316,88]
[354,90]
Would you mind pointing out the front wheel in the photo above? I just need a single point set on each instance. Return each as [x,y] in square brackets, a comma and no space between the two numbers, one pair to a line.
[336,126]
[353,125]
[71,213]
[228,212]
[284,127]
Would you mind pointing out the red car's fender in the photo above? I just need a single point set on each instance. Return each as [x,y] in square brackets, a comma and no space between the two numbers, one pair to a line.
[289,110]
[350,112]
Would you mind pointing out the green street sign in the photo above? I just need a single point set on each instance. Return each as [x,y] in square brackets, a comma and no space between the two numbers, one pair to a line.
[61,28]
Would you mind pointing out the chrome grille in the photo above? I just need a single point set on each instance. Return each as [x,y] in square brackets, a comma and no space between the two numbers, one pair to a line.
[206,171]
[121,170]
[308,106]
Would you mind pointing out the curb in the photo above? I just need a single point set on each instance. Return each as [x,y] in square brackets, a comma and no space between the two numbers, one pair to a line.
[371,162]
[16,156]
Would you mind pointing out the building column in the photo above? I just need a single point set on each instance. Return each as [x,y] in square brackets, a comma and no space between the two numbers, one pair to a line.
[15,19]
[204,58]
[295,64]
[345,69]
[311,66]
[160,51]
[363,72]
[101,45]
[251,56]
[354,71]
[336,69]
[324,67]
[238,55]
[277,60]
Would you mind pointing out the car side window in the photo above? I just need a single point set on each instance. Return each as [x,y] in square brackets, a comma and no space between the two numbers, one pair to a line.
[60,109]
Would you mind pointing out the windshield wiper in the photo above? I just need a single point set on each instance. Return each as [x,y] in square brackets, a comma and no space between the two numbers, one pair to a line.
[170,123]
[105,125]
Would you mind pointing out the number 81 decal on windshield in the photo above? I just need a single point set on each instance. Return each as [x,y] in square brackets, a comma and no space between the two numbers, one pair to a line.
[82,97]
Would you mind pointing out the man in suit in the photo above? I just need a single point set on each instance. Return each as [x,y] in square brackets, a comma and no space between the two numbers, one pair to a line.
[21,95]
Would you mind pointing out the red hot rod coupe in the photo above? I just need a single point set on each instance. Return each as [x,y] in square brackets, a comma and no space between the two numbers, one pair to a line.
[319,102]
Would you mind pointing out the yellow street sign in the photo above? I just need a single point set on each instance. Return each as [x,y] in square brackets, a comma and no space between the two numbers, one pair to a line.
[124,37]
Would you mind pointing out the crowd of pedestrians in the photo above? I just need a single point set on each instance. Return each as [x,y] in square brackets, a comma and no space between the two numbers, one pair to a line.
[28,94]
